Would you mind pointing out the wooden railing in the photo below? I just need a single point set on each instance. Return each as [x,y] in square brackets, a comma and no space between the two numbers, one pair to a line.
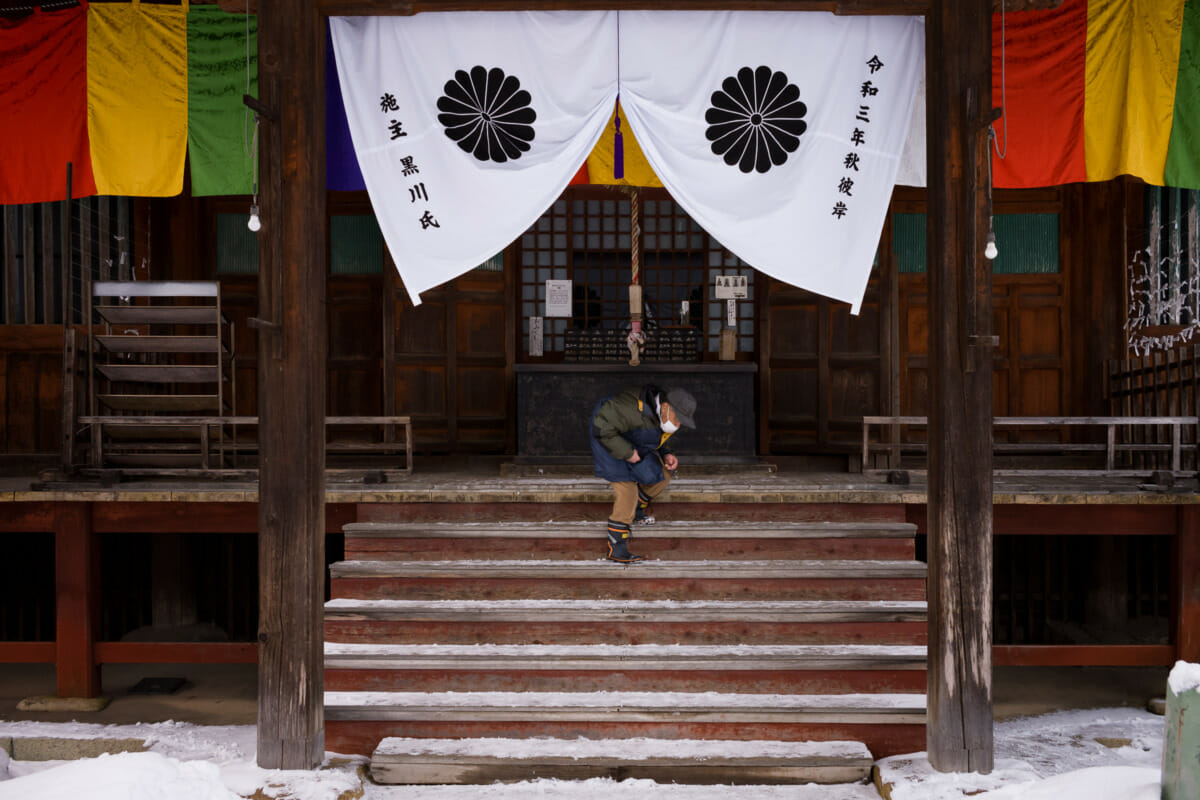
[1111,447]
[1158,384]
[213,434]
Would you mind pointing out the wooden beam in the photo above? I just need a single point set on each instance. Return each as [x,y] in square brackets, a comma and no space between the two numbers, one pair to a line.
[76,598]
[958,74]
[291,386]
[1089,655]
[1186,622]
[27,652]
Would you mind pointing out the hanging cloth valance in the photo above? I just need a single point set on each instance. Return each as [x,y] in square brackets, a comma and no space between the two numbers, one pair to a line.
[779,132]
[468,126]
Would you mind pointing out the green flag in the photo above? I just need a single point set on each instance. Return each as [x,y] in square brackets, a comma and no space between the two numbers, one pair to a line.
[220,127]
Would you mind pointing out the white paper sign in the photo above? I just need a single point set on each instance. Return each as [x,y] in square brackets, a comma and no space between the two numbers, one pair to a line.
[536,336]
[731,287]
[731,313]
[558,298]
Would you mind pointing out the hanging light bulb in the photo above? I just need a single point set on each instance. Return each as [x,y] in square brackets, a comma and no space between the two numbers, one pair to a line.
[989,251]
[255,224]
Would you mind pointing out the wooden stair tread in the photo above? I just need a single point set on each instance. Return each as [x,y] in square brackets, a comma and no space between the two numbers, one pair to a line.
[160,344]
[655,569]
[160,402]
[673,707]
[161,373]
[160,314]
[664,529]
[612,657]
[695,761]
[627,610]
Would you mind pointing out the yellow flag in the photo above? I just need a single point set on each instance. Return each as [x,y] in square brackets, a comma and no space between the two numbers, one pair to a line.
[1132,69]
[137,97]
[600,161]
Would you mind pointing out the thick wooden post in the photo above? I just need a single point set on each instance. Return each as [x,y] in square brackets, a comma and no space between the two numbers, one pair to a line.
[76,601]
[958,75]
[1187,581]
[292,345]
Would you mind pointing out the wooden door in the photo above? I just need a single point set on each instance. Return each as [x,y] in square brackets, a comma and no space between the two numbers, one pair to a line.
[450,363]
[823,369]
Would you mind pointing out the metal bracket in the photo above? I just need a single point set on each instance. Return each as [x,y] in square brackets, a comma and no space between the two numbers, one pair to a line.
[255,105]
[264,325]
[983,341]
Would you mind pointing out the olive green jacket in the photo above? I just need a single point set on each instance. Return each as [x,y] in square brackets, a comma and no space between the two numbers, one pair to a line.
[628,421]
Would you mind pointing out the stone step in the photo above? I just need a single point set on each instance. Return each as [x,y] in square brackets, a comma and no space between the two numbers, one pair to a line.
[614,622]
[673,580]
[683,540]
[688,761]
[887,724]
[763,669]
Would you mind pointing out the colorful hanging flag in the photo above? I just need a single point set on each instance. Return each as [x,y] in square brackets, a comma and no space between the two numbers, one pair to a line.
[137,97]
[780,133]
[43,106]
[1041,59]
[600,160]
[222,62]
[468,126]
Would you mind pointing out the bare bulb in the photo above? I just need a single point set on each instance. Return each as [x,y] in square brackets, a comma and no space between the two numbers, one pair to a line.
[254,223]
[989,251]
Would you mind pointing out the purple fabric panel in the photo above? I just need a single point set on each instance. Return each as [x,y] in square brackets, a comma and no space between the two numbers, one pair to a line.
[341,165]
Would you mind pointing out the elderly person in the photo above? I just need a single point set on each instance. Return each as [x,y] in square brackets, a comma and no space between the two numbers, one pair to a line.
[629,450]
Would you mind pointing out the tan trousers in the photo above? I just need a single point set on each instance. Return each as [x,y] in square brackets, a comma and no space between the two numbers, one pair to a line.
[625,500]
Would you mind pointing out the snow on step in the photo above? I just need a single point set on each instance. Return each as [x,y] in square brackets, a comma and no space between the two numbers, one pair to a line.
[605,656]
[479,761]
[630,610]
[830,569]
[628,706]
[662,530]
[647,656]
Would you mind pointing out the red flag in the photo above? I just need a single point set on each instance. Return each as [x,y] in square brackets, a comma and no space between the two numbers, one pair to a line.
[1044,71]
[43,106]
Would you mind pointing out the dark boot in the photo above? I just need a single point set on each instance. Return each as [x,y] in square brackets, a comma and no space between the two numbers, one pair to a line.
[642,515]
[618,543]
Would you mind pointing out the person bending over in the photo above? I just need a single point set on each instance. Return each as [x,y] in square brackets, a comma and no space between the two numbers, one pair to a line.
[629,434]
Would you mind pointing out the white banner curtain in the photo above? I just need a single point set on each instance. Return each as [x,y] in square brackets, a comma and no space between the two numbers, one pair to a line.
[469,125]
[779,132]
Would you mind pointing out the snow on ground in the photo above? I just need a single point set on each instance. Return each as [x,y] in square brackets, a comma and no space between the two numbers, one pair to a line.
[1049,757]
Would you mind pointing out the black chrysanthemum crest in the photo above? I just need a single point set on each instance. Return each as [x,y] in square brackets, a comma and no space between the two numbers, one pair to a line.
[755,119]
[487,113]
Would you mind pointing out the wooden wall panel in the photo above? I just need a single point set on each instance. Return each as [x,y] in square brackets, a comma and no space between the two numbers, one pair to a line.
[30,388]
[824,368]
[1031,365]
[355,310]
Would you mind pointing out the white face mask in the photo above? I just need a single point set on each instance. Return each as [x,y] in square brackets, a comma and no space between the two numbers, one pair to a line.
[668,426]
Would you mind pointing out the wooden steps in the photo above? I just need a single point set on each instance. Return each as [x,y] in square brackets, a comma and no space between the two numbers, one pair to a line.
[789,633]
[677,540]
[672,580]
[482,761]
[809,669]
[625,622]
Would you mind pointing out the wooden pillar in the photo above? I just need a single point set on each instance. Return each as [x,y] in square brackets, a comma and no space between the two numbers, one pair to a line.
[958,75]
[1187,582]
[76,601]
[292,344]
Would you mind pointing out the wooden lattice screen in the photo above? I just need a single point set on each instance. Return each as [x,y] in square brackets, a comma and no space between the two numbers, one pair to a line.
[1157,384]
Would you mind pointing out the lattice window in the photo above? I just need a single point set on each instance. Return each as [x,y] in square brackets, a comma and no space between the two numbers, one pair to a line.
[585,238]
